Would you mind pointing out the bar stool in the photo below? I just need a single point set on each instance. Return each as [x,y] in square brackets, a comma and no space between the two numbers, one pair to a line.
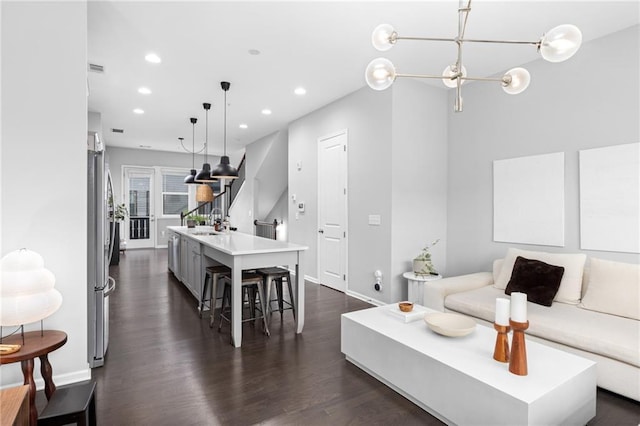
[278,275]
[212,275]
[252,284]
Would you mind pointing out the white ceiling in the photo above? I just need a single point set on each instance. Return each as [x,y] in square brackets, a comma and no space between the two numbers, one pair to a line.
[322,46]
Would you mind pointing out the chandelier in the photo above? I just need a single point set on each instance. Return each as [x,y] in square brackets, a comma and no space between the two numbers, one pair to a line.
[557,45]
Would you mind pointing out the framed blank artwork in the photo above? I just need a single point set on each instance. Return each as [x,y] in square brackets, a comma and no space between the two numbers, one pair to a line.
[610,198]
[528,200]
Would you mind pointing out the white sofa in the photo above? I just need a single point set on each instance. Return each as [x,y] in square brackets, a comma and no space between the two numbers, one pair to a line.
[603,325]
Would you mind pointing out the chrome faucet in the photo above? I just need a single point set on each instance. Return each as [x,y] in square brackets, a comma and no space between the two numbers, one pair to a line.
[213,214]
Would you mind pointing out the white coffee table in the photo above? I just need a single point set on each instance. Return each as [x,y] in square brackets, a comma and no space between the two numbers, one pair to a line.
[458,381]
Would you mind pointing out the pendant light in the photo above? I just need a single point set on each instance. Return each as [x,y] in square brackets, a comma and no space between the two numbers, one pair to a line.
[224,170]
[204,175]
[191,177]
[204,193]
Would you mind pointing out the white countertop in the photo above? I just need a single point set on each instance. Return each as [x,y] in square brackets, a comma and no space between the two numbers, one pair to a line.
[235,243]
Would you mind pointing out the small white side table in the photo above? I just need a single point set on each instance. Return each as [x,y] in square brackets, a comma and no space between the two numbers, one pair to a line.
[416,286]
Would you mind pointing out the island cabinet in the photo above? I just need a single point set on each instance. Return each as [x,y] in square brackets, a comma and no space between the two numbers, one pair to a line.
[189,265]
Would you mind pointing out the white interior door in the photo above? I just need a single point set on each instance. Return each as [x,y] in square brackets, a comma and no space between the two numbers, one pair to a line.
[332,210]
[140,227]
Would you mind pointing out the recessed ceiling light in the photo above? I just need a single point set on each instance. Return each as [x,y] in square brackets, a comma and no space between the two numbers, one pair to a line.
[254,52]
[266,111]
[144,90]
[153,58]
[243,126]
[138,111]
[300,91]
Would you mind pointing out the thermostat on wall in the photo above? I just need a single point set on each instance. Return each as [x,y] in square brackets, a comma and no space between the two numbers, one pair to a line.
[301,207]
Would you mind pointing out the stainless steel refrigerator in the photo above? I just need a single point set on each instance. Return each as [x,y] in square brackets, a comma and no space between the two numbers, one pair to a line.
[100,249]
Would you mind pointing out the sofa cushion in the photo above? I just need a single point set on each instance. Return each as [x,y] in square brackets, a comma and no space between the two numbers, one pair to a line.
[539,280]
[613,288]
[603,334]
[571,284]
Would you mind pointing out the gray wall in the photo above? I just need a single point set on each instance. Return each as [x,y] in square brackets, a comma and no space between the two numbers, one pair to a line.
[119,157]
[44,128]
[419,178]
[589,101]
[397,169]
[366,115]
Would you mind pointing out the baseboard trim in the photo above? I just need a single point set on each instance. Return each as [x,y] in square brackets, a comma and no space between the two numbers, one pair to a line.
[58,379]
[365,298]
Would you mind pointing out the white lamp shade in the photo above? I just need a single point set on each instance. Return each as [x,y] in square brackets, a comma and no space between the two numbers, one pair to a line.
[383,37]
[380,74]
[21,260]
[29,308]
[22,283]
[26,289]
[561,43]
[519,79]
[450,71]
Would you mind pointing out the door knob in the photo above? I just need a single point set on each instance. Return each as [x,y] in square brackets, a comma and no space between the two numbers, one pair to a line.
[321,231]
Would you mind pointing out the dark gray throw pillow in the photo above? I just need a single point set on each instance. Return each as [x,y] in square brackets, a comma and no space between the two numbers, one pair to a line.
[539,280]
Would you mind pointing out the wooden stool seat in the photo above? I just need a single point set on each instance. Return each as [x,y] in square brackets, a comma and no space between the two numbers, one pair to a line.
[74,403]
[278,275]
[212,275]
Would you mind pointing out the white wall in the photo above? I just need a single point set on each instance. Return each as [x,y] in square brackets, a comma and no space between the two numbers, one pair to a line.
[44,134]
[568,107]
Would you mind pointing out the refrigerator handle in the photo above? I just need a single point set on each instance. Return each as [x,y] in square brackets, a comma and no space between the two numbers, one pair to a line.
[111,287]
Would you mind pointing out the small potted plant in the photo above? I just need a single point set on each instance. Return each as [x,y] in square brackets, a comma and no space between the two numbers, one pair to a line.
[195,219]
[422,263]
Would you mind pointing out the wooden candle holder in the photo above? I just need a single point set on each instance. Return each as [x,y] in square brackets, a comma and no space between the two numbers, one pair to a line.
[518,359]
[501,351]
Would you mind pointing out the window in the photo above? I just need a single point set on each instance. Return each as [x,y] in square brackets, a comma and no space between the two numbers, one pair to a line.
[175,194]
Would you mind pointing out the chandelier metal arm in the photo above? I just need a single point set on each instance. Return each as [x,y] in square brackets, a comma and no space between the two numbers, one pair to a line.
[470,40]
[501,79]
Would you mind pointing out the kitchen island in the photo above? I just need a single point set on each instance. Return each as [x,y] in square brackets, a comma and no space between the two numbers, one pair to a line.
[201,247]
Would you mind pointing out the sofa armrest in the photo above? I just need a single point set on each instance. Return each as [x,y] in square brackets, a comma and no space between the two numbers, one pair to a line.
[436,291]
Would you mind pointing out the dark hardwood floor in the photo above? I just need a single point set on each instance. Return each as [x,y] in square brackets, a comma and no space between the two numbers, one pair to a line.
[165,366]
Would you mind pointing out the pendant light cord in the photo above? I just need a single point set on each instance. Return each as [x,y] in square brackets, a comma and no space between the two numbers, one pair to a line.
[206,136]
[225,122]
[193,145]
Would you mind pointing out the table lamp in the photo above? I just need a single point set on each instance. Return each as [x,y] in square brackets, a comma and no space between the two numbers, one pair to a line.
[26,292]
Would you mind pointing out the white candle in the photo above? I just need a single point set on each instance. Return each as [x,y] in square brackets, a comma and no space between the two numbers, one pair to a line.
[502,311]
[519,307]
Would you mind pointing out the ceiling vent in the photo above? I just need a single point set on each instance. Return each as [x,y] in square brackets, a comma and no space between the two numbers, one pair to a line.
[96,68]
[117,130]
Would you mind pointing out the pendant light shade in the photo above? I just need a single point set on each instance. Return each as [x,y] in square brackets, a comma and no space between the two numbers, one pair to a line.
[204,193]
[204,175]
[191,177]
[225,170]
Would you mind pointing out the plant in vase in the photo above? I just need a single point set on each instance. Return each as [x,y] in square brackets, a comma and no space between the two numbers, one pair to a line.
[422,263]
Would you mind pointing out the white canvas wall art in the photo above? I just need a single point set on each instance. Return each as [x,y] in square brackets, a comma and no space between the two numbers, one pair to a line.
[610,198]
[528,200]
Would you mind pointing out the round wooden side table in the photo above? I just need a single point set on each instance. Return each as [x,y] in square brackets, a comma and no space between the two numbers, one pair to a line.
[36,344]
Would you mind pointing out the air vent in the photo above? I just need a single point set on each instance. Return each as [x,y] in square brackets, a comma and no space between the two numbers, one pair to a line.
[145,146]
[96,68]
[117,130]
